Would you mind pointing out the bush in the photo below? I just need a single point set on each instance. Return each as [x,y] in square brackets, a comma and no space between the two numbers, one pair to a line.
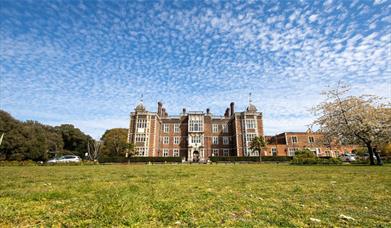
[307,157]
[249,159]
[139,159]
[18,163]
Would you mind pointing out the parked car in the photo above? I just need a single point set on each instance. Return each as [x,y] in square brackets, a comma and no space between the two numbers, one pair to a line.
[65,159]
[348,157]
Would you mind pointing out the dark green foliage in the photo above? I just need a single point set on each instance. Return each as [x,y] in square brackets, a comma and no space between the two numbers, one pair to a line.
[74,139]
[32,140]
[117,159]
[307,157]
[115,142]
[249,159]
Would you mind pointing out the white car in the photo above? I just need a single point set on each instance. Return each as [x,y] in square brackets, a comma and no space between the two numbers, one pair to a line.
[65,159]
[348,157]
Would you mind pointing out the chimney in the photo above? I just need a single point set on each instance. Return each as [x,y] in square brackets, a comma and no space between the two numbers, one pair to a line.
[183,111]
[207,111]
[226,114]
[159,108]
[232,108]
[163,112]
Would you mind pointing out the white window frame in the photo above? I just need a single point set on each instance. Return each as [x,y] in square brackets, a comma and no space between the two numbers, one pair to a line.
[225,140]
[140,138]
[141,123]
[215,140]
[296,139]
[311,141]
[225,152]
[142,152]
[166,140]
[291,151]
[176,140]
[165,152]
[215,152]
[196,139]
[251,124]
[274,149]
[215,128]
[166,128]
[196,126]
[175,152]
[176,128]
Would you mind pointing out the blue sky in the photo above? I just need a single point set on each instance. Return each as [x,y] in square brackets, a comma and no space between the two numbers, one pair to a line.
[87,62]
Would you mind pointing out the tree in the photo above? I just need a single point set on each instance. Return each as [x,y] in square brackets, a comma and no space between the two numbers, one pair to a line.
[115,142]
[257,144]
[364,120]
[74,139]
[94,149]
[130,149]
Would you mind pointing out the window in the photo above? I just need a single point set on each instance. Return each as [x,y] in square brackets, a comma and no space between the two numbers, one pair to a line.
[254,153]
[226,152]
[141,123]
[165,152]
[166,128]
[225,140]
[176,152]
[176,140]
[250,124]
[215,152]
[215,140]
[225,128]
[166,140]
[317,151]
[142,152]
[215,128]
[274,151]
[196,125]
[291,151]
[176,128]
[311,139]
[294,139]
[196,139]
[250,137]
[140,138]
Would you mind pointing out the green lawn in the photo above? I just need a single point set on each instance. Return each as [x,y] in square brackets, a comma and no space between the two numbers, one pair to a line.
[195,195]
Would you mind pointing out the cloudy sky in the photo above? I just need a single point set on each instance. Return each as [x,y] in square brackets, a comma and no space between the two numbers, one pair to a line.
[88,62]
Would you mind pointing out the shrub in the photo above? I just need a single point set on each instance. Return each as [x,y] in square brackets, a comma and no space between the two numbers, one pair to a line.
[249,159]
[139,159]
[307,157]
[18,163]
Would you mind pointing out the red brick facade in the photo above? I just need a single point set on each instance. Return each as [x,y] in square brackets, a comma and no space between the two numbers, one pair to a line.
[196,136]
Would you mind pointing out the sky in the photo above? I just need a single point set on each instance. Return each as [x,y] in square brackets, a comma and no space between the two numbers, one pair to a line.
[87,63]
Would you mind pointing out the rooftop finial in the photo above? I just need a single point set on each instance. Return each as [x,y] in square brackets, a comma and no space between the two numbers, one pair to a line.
[249,98]
[141,99]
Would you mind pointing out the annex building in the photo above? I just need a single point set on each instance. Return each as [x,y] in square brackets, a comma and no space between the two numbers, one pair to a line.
[197,135]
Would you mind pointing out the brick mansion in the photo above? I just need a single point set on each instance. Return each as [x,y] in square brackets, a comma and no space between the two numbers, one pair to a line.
[197,135]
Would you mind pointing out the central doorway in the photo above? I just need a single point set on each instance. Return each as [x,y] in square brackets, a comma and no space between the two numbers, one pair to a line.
[196,156]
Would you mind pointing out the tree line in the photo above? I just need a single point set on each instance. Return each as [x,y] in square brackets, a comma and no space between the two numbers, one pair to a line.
[31,140]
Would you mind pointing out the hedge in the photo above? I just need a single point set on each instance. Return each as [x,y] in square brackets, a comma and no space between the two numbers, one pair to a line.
[316,161]
[249,159]
[139,159]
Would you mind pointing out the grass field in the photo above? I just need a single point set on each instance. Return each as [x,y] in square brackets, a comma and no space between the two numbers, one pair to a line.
[195,195]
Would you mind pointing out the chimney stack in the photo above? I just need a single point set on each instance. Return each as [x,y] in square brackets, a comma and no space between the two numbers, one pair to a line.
[164,112]
[232,108]
[226,114]
[159,108]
